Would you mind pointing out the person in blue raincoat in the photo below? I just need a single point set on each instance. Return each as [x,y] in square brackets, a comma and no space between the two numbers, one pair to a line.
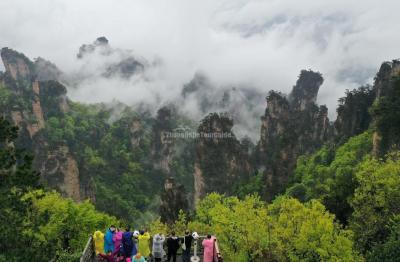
[108,240]
[128,243]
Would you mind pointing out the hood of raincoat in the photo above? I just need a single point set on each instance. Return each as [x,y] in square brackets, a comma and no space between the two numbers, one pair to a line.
[98,235]
[145,236]
[109,236]
[118,235]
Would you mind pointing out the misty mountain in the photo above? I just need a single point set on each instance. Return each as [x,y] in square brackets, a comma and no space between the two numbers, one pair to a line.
[134,164]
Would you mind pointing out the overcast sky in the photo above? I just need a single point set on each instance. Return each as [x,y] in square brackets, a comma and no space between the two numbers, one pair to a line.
[259,43]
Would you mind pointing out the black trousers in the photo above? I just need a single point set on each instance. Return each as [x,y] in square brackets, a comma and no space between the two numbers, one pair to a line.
[172,254]
[186,255]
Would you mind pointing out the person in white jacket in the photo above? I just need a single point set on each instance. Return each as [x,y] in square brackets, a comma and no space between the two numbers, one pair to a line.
[158,247]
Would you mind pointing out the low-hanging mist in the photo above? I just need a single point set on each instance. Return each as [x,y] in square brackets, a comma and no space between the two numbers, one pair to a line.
[261,45]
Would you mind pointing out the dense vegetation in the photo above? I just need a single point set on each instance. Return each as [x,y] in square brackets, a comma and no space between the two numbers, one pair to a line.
[36,224]
[347,204]
[17,178]
[349,209]
[362,191]
[386,112]
[286,230]
[121,173]
[125,179]
[342,202]
[329,175]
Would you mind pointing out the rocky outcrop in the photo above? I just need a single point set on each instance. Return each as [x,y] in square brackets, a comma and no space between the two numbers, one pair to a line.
[201,96]
[383,80]
[173,199]
[25,86]
[35,102]
[136,133]
[353,115]
[385,113]
[221,161]
[304,93]
[199,185]
[30,119]
[36,110]
[292,126]
[47,71]
[53,97]
[162,147]
[115,62]
[101,43]
[125,68]
[59,170]
[17,65]
[370,107]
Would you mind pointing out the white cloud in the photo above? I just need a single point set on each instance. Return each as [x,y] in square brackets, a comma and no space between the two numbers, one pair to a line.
[260,43]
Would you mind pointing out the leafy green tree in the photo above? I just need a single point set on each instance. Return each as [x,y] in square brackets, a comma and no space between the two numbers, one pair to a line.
[180,225]
[55,225]
[16,178]
[254,185]
[376,201]
[36,224]
[388,250]
[157,227]
[329,175]
[123,176]
[307,232]
[286,230]
[240,226]
[353,113]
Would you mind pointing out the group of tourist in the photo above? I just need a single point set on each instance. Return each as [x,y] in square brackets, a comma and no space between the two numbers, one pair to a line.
[118,245]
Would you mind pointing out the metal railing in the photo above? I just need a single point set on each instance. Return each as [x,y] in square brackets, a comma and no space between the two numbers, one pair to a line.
[217,253]
[88,252]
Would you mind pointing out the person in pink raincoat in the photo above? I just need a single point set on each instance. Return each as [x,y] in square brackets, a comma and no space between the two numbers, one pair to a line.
[117,239]
[208,245]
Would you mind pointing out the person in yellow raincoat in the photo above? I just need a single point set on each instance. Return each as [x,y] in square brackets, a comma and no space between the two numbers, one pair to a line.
[98,238]
[144,243]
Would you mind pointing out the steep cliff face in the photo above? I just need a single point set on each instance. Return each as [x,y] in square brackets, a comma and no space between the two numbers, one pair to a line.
[304,93]
[385,110]
[383,84]
[370,107]
[27,112]
[353,115]
[59,170]
[18,66]
[136,131]
[34,102]
[173,199]
[162,147]
[291,126]
[221,160]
